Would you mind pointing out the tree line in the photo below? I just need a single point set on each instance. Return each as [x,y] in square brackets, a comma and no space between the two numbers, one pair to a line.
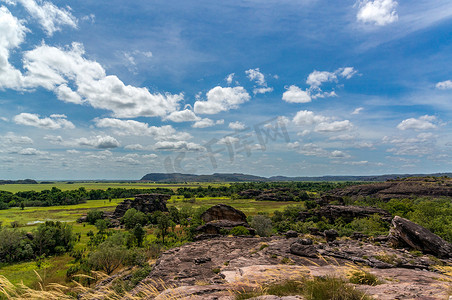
[55,196]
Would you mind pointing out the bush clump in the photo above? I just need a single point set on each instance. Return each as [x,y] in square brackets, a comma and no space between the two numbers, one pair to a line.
[239,230]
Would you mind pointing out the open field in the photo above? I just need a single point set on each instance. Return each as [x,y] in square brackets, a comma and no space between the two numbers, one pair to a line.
[94,185]
[248,206]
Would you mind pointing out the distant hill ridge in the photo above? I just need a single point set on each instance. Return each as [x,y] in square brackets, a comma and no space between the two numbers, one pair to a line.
[239,177]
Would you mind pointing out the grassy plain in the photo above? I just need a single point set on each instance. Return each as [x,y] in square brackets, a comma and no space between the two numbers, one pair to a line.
[54,268]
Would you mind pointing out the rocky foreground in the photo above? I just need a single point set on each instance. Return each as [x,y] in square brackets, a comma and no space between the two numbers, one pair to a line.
[213,269]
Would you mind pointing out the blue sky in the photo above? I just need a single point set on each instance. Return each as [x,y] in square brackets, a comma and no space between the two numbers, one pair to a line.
[115,90]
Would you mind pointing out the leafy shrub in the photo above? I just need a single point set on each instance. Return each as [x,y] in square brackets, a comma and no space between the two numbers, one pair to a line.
[53,238]
[132,217]
[94,215]
[371,225]
[239,230]
[262,224]
[14,246]
[102,225]
[108,256]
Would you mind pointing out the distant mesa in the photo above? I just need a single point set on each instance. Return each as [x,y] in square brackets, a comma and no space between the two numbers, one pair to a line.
[216,177]
[239,177]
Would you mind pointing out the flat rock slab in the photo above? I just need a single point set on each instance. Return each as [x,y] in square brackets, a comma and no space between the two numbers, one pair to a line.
[212,269]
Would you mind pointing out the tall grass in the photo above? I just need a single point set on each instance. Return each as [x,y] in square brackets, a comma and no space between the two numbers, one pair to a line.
[314,288]
[9,291]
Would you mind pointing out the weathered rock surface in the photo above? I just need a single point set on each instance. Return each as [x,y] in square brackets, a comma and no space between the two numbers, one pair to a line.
[406,233]
[403,188]
[211,268]
[291,234]
[222,217]
[330,235]
[216,227]
[223,212]
[347,213]
[303,250]
[146,203]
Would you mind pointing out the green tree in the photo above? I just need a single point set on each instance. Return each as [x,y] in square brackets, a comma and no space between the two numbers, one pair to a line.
[174,214]
[102,225]
[133,217]
[14,245]
[108,256]
[139,234]
[163,224]
[53,238]
[93,216]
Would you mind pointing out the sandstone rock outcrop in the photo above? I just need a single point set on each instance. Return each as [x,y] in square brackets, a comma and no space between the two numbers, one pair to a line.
[347,213]
[221,218]
[223,212]
[403,188]
[298,248]
[228,263]
[406,233]
[330,235]
[146,203]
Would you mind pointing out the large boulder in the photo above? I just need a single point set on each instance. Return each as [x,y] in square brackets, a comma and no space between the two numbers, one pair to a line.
[303,250]
[146,203]
[406,233]
[347,213]
[221,218]
[223,212]
[330,235]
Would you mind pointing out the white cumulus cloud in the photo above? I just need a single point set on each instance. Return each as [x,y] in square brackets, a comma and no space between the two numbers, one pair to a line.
[132,127]
[259,78]
[444,85]
[333,126]
[422,123]
[306,117]
[49,16]
[222,99]
[99,142]
[12,34]
[296,95]
[237,125]
[377,12]
[316,78]
[185,115]
[203,123]
[12,139]
[30,151]
[178,145]
[230,78]
[50,67]
[54,122]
